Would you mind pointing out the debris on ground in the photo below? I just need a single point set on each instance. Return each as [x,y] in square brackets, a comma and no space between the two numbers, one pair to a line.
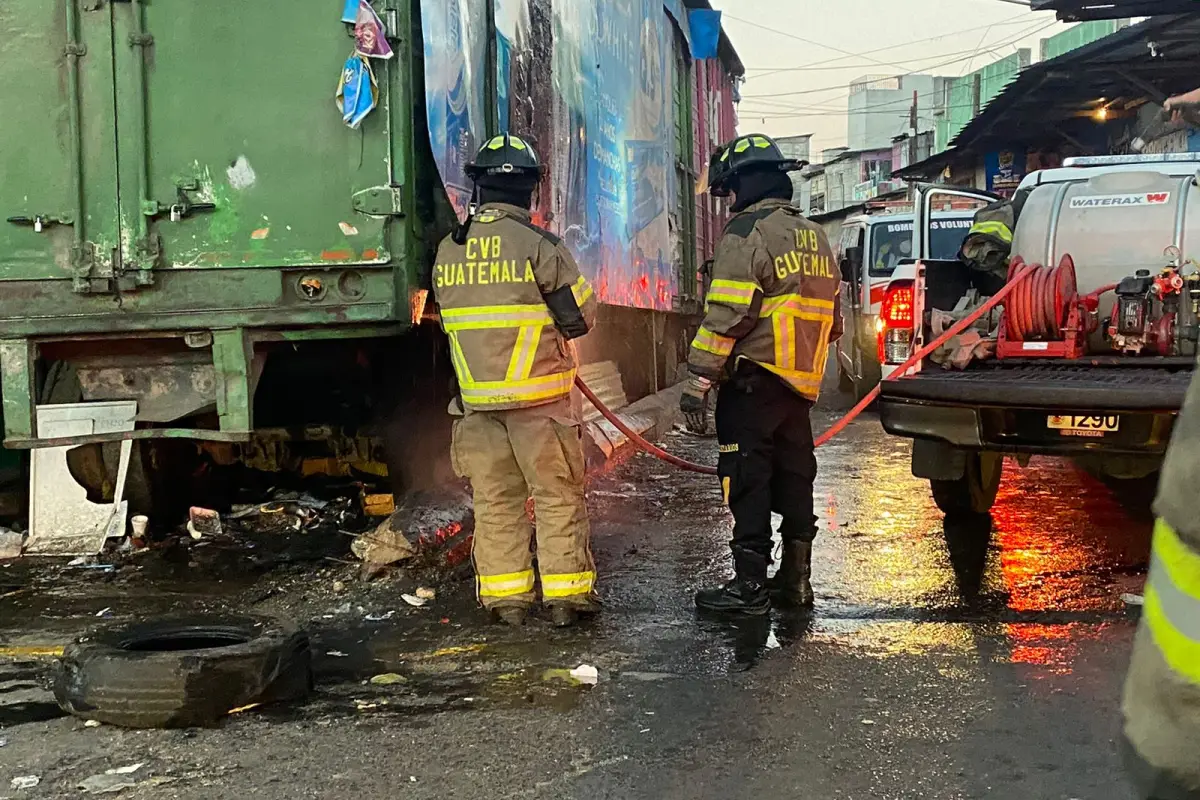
[25,782]
[413,600]
[388,679]
[379,505]
[93,723]
[586,674]
[426,594]
[1133,599]
[11,543]
[382,547]
[426,526]
[119,779]
[138,525]
[203,522]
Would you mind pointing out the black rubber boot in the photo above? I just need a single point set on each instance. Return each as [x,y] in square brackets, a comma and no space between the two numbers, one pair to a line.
[792,586]
[564,616]
[512,616]
[736,597]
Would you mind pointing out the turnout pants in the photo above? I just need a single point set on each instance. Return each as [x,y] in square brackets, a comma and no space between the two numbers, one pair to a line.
[510,456]
[767,464]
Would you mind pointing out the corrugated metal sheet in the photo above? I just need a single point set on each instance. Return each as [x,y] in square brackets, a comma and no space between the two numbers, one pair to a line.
[603,378]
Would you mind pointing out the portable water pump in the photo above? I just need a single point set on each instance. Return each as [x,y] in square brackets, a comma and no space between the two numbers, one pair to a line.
[1154,315]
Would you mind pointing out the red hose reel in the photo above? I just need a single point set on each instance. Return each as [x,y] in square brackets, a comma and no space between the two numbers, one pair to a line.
[1045,317]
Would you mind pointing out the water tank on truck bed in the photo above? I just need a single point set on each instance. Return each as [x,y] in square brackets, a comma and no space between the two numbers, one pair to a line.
[1121,219]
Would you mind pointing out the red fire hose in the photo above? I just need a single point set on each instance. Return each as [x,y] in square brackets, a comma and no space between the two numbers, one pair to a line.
[958,327]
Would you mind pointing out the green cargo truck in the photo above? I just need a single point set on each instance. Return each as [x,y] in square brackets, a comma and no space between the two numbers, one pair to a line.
[182,206]
[188,221]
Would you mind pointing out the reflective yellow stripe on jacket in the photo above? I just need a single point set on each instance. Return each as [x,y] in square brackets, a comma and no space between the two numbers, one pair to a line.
[582,291]
[518,386]
[485,317]
[1172,608]
[498,393]
[785,312]
[710,342]
[997,229]
[734,293]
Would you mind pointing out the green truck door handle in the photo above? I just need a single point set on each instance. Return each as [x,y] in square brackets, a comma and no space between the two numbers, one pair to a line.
[40,221]
[182,207]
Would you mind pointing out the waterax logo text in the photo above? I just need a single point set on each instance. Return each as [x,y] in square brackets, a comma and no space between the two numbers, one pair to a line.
[1122,200]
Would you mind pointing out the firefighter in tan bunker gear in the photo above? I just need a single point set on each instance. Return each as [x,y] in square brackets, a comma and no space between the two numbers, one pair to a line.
[511,299]
[771,311]
[1162,690]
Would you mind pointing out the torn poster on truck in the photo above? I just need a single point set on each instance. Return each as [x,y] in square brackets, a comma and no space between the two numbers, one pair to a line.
[370,35]
[356,92]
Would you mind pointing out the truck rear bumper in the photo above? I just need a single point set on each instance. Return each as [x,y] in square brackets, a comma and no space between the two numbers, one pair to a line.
[1016,429]
[1006,407]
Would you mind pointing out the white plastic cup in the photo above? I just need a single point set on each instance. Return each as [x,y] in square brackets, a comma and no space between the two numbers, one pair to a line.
[139,524]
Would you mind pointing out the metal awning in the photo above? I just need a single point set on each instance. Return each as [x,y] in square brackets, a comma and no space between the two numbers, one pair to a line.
[1078,10]
[1151,60]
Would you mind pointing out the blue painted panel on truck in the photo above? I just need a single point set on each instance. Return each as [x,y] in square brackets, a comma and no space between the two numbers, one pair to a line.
[588,82]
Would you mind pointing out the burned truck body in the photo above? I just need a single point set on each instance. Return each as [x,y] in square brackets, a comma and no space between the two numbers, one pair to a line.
[226,213]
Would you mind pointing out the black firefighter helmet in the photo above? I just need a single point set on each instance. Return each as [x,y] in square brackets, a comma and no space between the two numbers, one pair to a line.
[755,152]
[506,156]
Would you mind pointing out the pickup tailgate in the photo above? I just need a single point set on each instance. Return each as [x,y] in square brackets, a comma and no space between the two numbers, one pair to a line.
[1086,386]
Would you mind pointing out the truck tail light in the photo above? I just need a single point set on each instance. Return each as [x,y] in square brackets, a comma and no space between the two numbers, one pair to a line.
[895,324]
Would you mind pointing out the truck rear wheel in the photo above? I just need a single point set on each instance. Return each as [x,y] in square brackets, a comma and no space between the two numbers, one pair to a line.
[975,492]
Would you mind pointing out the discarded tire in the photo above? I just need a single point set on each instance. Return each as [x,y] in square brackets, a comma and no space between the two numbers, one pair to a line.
[183,673]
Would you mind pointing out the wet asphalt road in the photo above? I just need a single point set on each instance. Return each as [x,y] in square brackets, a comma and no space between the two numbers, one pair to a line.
[980,662]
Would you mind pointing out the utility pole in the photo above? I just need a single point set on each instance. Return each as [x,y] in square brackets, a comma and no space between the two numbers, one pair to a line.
[914,123]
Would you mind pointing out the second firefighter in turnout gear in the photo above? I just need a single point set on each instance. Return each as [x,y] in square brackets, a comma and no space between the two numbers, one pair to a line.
[1162,690]
[772,310]
[512,299]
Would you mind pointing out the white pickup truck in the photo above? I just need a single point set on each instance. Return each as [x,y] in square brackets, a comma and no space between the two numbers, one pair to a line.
[869,247]
[1121,219]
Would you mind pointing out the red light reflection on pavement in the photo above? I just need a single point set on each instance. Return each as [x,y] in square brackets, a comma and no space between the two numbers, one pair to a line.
[1064,541]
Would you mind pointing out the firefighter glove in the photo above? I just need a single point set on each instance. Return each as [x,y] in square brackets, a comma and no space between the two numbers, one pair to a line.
[694,403]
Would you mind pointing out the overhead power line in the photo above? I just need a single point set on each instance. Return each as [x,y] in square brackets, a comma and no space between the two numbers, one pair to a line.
[1022,35]
[801,39]
[1017,20]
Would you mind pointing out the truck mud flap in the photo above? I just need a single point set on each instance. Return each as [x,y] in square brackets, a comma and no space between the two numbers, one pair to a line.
[937,461]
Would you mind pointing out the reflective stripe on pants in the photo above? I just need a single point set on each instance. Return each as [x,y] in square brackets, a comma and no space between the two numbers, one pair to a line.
[1172,608]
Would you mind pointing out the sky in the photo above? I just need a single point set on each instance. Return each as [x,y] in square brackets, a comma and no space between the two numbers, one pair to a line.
[838,41]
